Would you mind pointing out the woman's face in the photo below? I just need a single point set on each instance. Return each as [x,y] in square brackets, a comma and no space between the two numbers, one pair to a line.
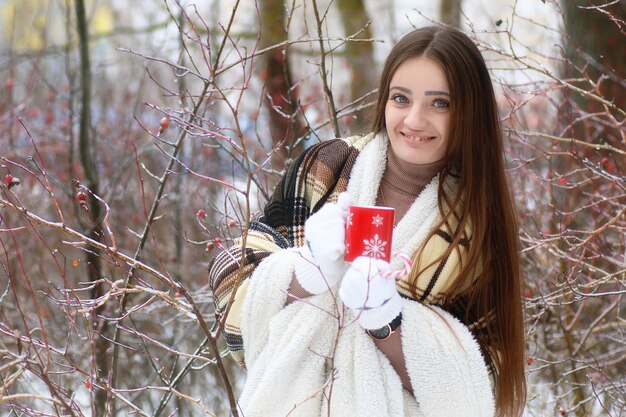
[417,114]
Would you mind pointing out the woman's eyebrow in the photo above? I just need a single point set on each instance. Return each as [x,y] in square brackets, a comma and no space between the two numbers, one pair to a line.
[403,89]
[436,93]
[426,93]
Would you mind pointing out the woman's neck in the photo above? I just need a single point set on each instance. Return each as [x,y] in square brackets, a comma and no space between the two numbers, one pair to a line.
[402,182]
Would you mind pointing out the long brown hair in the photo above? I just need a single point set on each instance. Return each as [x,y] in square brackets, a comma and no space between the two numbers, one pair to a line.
[475,156]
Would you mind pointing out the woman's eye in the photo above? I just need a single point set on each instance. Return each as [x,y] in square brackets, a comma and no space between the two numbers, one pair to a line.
[400,99]
[441,104]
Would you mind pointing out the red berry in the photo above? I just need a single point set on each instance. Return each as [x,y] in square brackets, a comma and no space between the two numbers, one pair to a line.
[210,246]
[530,360]
[88,384]
[562,181]
[611,167]
[165,122]
[561,411]
[528,293]
[178,295]
[232,223]
[11,181]
[9,83]
[81,196]
[201,214]
[217,241]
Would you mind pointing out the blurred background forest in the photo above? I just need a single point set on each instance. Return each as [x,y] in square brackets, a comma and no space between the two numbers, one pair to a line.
[138,137]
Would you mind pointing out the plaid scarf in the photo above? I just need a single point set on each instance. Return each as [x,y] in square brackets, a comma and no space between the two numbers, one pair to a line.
[316,177]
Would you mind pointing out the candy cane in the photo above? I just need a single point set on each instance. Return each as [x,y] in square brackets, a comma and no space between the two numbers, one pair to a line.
[400,272]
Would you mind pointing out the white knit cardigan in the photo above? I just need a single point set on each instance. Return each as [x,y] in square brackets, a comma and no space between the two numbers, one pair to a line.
[311,358]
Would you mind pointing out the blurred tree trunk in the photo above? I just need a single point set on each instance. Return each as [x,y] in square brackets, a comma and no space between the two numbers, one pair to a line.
[450,12]
[87,152]
[595,49]
[360,57]
[280,99]
[180,180]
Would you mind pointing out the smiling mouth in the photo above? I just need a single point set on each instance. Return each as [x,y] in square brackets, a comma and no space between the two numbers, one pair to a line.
[417,138]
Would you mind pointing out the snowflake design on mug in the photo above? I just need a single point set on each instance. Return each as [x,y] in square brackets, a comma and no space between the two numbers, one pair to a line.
[377,220]
[374,247]
[349,219]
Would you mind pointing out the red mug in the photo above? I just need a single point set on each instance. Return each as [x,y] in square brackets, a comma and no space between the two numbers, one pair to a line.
[369,232]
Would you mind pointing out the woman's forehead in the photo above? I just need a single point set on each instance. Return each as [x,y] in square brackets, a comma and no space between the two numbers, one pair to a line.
[420,74]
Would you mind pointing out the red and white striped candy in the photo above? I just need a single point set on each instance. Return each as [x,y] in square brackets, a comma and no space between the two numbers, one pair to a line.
[399,272]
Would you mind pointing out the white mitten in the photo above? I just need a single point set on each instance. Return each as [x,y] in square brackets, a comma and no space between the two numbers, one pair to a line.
[373,298]
[320,263]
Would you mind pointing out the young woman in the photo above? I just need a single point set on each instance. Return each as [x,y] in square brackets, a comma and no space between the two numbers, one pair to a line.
[323,337]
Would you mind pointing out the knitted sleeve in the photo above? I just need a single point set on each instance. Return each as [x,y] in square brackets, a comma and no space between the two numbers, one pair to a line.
[318,175]
[229,286]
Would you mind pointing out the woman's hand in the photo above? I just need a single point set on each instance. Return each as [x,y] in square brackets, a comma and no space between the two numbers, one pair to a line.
[320,263]
[372,297]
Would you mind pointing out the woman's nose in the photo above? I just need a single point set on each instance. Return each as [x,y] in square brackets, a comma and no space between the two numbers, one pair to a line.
[415,118]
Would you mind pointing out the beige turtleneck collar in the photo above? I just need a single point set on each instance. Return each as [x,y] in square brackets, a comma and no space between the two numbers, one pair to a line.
[402,182]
